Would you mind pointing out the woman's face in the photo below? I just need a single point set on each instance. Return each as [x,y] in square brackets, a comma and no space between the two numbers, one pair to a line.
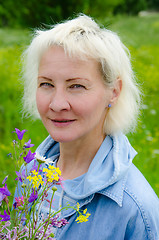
[71,97]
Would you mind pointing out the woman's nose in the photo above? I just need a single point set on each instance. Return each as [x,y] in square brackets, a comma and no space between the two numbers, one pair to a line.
[59,102]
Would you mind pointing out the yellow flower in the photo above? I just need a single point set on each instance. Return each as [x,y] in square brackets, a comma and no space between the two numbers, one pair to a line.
[35,172]
[84,211]
[82,218]
[30,178]
[52,173]
[36,179]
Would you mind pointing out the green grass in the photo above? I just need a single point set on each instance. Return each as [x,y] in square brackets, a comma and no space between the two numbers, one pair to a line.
[141,36]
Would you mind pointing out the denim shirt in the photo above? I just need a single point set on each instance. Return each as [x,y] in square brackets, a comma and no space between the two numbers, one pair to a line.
[121,202]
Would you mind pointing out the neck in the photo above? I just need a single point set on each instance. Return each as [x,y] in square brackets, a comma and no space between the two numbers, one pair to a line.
[76,156]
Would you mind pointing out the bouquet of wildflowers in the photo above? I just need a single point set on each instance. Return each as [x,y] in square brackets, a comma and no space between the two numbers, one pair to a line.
[21,221]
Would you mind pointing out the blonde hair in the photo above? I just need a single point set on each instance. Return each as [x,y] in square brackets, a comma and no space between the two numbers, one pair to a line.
[82,37]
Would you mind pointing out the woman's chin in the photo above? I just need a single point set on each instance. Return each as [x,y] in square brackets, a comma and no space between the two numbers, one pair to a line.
[62,138]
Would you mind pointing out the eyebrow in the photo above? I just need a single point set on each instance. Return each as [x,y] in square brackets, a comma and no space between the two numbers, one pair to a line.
[49,79]
[77,78]
[67,80]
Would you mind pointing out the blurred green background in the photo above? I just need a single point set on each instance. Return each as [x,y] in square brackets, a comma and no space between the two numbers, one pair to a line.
[136,22]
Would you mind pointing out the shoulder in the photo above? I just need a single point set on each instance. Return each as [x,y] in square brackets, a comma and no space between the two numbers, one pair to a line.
[138,188]
[143,201]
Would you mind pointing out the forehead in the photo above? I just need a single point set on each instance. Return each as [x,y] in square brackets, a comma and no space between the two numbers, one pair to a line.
[58,52]
[56,59]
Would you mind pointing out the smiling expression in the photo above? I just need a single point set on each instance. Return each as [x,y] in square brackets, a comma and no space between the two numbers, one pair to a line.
[71,96]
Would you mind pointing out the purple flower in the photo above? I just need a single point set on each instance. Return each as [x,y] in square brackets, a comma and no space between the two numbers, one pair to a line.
[28,144]
[58,223]
[20,133]
[22,219]
[5,191]
[15,142]
[33,196]
[2,196]
[5,179]
[20,175]
[5,217]
[9,155]
[29,157]
[35,166]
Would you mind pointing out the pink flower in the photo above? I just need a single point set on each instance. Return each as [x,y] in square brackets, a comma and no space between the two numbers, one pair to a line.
[19,201]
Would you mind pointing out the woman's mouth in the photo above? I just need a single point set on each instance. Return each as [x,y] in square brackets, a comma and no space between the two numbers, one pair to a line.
[62,122]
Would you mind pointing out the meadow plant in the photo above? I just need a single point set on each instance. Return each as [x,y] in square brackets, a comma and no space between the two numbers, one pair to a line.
[21,221]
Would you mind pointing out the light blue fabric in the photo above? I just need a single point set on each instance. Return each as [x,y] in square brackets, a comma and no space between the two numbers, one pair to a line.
[122,204]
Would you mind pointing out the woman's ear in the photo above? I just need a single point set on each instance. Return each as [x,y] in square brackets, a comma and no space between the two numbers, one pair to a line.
[116,90]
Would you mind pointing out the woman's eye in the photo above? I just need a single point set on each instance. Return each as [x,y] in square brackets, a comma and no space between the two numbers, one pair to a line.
[77,86]
[46,84]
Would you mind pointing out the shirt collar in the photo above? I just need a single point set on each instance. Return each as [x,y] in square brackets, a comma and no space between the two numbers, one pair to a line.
[115,191]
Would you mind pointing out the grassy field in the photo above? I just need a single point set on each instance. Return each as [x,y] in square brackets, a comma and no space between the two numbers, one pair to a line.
[141,36]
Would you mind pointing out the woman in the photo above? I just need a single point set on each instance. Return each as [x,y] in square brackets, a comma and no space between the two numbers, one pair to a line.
[78,79]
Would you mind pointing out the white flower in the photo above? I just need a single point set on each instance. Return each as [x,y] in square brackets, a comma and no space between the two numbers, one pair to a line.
[42,159]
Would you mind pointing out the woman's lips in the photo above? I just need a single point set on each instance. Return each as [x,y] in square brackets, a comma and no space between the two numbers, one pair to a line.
[62,122]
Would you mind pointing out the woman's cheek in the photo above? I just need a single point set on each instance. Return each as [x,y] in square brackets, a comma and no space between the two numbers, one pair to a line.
[41,102]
